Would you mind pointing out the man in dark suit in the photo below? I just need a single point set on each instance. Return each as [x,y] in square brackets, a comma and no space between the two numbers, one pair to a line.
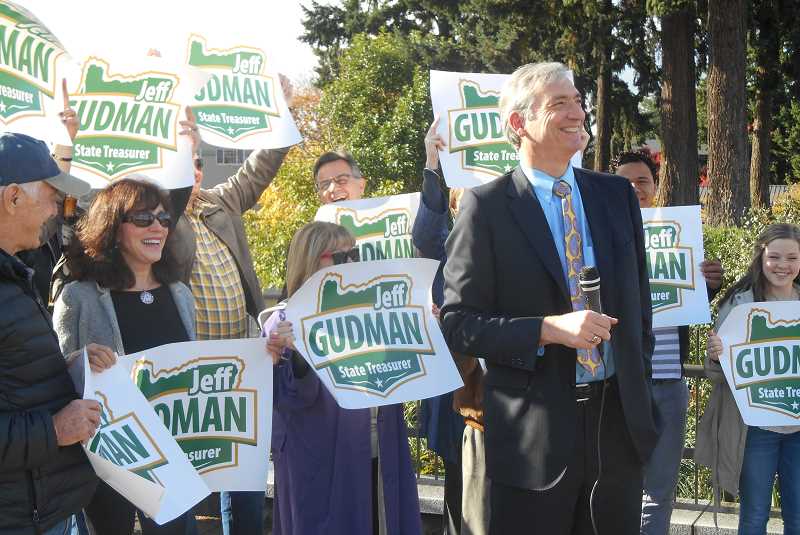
[511,296]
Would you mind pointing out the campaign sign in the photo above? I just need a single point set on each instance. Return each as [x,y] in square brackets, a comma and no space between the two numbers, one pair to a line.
[242,105]
[215,397]
[382,225]
[477,150]
[31,63]
[132,451]
[673,240]
[128,115]
[761,361]
[369,332]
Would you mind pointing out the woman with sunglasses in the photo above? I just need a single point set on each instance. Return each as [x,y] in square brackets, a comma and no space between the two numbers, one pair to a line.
[336,470]
[125,295]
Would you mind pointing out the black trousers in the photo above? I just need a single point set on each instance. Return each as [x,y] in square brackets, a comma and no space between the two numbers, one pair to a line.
[111,514]
[564,508]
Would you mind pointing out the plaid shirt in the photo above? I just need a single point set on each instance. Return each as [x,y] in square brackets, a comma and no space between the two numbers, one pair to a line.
[216,285]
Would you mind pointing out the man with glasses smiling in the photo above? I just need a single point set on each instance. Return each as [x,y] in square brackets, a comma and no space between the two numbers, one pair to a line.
[338,178]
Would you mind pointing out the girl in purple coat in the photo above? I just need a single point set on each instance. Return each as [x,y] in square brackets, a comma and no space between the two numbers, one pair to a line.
[337,471]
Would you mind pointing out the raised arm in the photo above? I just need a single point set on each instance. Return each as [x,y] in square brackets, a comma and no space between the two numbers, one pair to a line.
[242,190]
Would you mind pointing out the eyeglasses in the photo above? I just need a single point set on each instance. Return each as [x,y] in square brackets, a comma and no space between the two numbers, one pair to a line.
[341,257]
[340,180]
[144,219]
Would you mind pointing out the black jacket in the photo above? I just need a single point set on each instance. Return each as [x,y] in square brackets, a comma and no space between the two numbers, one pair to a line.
[40,482]
[502,276]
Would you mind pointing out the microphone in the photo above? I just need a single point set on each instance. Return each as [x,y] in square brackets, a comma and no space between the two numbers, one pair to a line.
[589,281]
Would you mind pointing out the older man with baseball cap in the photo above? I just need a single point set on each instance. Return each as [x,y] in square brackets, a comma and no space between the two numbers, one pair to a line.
[44,475]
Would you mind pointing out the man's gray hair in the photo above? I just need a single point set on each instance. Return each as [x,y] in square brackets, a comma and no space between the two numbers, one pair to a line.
[335,156]
[522,88]
[29,187]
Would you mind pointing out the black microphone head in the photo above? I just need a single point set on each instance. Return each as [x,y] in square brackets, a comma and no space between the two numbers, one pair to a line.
[589,278]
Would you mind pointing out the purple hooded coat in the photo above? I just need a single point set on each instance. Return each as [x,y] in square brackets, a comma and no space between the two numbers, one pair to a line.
[323,461]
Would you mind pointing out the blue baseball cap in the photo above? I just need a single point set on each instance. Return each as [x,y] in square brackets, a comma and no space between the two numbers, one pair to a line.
[25,159]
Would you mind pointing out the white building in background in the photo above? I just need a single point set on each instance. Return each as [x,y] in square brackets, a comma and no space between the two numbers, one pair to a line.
[219,163]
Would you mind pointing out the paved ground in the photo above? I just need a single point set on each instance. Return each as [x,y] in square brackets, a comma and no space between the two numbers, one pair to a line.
[684,520]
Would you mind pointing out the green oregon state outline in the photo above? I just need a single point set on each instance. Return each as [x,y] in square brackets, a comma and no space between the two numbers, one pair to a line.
[761,331]
[19,53]
[374,231]
[182,381]
[675,294]
[96,82]
[470,93]
[219,62]
[331,298]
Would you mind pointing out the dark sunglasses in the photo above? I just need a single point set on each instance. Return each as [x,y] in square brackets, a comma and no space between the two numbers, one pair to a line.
[144,219]
[341,257]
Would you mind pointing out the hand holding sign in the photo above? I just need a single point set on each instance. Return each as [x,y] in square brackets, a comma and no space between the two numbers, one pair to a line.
[433,144]
[712,272]
[714,346]
[76,422]
[287,88]
[189,128]
[68,117]
[100,357]
[280,338]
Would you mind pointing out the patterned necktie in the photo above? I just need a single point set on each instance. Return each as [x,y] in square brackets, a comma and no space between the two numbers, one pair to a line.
[573,248]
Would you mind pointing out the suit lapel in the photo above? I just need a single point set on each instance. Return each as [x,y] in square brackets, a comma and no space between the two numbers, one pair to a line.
[595,206]
[528,213]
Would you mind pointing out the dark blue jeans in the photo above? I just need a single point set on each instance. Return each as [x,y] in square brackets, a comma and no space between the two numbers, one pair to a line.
[242,512]
[767,453]
[671,399]
[65,527]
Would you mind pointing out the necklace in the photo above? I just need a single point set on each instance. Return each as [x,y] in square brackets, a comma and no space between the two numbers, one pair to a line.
[146,297]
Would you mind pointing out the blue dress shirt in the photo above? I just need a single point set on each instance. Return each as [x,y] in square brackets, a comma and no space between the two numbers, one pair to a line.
[542,184]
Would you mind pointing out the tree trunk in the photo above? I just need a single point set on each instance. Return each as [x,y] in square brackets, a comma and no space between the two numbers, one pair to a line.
[727,113]
[602,148]
[762,143]
[766,42]
[678,176]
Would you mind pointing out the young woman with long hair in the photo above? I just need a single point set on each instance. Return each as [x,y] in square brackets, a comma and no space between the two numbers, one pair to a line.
[744,459]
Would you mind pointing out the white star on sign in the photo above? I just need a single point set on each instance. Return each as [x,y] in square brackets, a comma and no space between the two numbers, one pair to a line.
[379,383]
[507,168]
[110,167]
[795,406]
[2,107]
[230,130]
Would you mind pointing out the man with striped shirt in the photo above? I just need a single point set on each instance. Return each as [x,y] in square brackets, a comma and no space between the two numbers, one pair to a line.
[670,393]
